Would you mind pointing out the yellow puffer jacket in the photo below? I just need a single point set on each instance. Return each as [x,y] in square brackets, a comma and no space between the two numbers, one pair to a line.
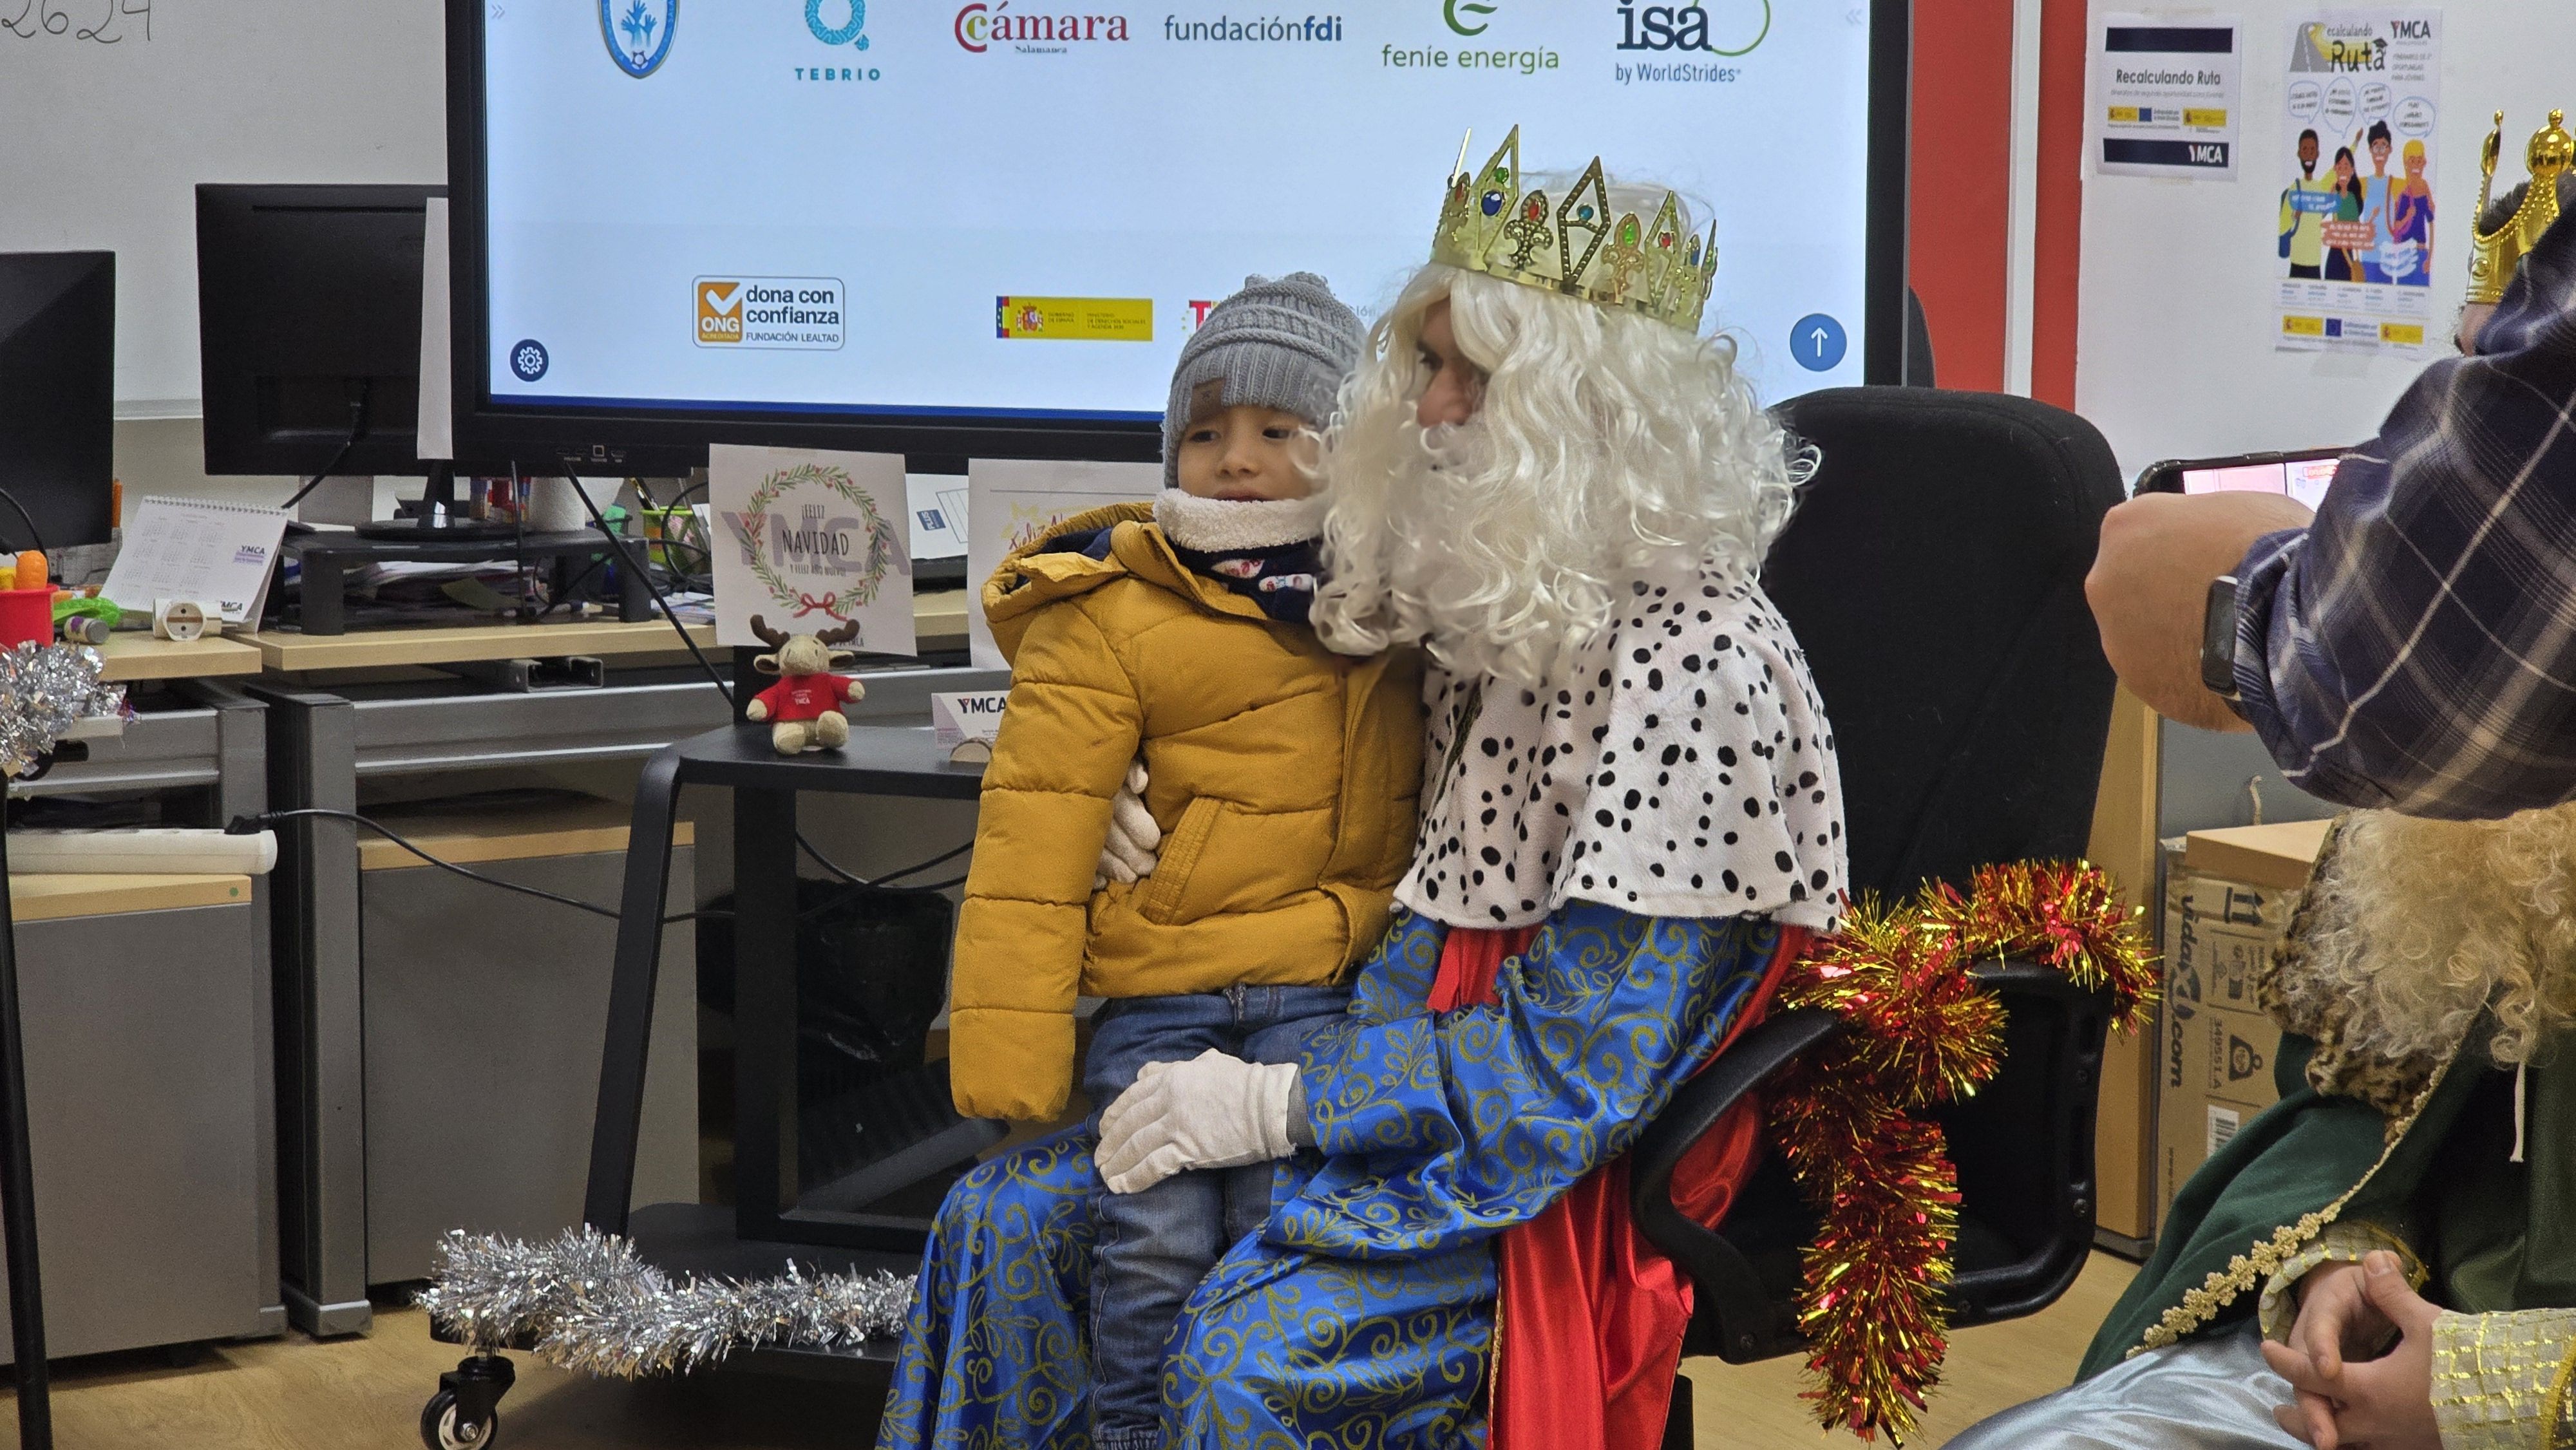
[1283,775]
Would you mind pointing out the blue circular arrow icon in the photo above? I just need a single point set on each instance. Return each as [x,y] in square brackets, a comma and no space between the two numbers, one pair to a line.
[1817,342]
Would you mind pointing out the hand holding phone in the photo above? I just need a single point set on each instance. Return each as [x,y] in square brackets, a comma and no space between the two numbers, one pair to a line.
[2303,476]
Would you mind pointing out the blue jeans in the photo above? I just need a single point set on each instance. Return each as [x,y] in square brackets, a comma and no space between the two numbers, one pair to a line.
[1155,1246]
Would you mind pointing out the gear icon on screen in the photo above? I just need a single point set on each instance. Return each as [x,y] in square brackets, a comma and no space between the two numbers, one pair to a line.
[528,359]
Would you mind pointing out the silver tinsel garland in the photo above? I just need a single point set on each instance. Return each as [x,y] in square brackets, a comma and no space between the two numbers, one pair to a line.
[44,689]
[591,1304]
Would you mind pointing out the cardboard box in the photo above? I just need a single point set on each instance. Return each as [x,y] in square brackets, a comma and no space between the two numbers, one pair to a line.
[2215,1046]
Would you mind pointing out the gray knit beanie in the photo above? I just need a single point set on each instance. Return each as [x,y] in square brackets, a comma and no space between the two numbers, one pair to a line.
[1285,343]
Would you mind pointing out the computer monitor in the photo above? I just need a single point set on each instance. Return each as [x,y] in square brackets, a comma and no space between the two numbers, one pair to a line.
[308,327]
[962,229]
[58,395]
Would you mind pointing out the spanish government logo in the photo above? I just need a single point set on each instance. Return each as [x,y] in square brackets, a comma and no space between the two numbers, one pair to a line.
[638,33]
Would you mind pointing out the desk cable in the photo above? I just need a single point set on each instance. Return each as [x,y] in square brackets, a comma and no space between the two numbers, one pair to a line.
[248,825]
[357,430]
[35,540]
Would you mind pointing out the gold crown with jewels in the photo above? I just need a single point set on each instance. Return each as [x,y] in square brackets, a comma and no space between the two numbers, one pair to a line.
[1574,246]
[2495,256]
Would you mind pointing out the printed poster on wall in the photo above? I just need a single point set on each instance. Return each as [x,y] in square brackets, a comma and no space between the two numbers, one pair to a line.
[2165,91]
[2355,243]
[811,541]
[1010,502]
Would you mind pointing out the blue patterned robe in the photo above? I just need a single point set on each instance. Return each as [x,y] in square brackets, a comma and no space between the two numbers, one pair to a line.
[1361,1315]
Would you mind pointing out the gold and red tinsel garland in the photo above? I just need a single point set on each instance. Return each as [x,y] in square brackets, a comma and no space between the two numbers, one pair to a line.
[1921,1032]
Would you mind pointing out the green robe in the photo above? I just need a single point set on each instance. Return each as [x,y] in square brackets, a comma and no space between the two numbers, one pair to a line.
[2494,1234]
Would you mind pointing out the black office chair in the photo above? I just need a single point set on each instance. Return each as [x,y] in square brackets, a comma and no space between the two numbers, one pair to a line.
[1934,575]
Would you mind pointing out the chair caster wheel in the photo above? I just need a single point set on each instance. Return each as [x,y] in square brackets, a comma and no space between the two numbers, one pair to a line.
[441,1428]
[465,1414]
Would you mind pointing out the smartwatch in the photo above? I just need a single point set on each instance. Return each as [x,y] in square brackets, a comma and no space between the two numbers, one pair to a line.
[2218,639]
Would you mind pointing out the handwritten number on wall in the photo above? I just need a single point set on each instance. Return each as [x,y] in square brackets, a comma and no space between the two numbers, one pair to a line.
[106,22]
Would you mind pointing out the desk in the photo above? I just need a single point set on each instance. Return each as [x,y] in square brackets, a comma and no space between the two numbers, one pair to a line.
[768,1227]
[939,621]
[151,1093]
[133,657]
[291,653]
[590,829]
[479,1069]
[34,897]
[323,744]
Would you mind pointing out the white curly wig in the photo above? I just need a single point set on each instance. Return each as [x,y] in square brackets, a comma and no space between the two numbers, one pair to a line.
[1606,443]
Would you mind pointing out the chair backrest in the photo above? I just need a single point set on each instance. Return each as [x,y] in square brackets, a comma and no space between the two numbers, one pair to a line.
[1934,575]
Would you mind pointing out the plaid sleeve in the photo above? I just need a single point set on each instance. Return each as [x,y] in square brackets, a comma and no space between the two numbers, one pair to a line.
[2415,647]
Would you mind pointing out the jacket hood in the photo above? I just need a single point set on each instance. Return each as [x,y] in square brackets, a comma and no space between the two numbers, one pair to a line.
[1086,551]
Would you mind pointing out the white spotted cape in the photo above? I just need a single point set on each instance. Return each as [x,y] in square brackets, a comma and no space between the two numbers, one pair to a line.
[1681,765]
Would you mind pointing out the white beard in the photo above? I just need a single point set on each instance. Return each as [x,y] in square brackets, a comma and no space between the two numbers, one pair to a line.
[1472,566]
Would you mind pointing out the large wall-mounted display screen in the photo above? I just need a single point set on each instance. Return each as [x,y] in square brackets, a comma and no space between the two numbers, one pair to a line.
[981,214]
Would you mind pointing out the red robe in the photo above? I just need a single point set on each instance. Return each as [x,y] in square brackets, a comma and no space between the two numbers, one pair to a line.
[1588,1331]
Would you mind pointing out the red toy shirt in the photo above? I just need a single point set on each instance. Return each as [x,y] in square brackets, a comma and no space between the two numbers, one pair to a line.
[805,697]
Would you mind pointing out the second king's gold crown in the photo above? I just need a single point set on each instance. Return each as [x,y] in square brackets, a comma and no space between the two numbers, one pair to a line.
[2497,255]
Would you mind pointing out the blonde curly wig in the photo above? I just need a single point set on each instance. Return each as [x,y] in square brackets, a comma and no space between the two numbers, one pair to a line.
[2418,925]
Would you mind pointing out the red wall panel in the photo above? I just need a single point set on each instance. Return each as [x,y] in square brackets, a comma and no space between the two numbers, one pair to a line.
[2058,245]
[1958,227]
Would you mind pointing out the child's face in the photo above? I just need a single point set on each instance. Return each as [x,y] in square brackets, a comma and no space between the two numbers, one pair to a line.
[1248,454]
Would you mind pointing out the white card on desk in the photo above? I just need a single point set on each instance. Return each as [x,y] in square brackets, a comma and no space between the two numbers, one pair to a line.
[220,554]
[1011,502]
[977,715]
[811,541]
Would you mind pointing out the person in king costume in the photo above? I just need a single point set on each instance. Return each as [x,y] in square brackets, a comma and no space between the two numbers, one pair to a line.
[1545,478]
[2387,1257]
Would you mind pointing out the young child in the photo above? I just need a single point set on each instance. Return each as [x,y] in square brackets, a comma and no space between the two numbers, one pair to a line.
[1281,775]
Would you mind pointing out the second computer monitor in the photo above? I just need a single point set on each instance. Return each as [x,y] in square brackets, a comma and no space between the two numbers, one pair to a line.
[308,301]
[57,396]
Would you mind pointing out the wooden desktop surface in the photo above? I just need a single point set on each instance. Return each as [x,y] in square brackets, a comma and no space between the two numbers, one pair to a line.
[583,828]
[133,657]
[48,896]
[363,649]
[939,621]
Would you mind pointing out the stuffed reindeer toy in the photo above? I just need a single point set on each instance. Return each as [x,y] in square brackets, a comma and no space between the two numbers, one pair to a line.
[806,702]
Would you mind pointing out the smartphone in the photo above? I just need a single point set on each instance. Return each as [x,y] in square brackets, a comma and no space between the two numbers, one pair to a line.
[2302,476]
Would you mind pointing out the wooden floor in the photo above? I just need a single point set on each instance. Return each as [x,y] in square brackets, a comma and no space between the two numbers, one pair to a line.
[366,1394]
[1756,1406]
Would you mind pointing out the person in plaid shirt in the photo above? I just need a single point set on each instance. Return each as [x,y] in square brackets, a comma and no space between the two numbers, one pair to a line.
[2412,647]
[2387,1257]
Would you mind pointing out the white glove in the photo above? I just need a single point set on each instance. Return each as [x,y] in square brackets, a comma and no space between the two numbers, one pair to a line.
[1129,853]
[1213,1111]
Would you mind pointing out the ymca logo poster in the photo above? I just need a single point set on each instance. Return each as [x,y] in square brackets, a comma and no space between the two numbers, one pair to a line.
[2165,96]
[810,540]
[2355,240]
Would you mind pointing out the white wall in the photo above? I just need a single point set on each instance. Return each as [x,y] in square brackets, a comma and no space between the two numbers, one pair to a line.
[167,457]
[2175,335]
